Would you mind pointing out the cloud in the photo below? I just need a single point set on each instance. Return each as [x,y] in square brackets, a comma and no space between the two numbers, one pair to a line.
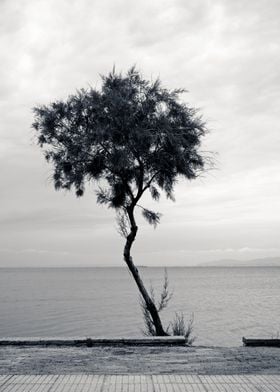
[225,53]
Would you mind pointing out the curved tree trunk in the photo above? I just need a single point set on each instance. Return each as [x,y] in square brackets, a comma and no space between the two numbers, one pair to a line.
[128,259]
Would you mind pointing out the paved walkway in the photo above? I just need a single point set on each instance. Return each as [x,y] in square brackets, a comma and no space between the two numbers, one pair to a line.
[139,383]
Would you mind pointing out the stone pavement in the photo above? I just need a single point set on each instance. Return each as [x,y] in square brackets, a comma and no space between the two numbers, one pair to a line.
[139,383]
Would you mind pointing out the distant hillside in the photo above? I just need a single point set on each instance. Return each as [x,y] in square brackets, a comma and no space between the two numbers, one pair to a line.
[264,262]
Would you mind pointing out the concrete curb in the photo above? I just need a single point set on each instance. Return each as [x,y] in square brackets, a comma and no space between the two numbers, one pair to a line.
[90,342]
[261,342]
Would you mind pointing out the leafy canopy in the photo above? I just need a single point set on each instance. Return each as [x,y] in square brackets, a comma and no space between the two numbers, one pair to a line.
[131,135]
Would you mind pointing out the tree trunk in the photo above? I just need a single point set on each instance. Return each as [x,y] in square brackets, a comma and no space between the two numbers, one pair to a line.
[149,302]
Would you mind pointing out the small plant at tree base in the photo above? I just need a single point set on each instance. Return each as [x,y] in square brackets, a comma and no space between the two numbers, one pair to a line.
[128,137]
[178,326]
[165,297]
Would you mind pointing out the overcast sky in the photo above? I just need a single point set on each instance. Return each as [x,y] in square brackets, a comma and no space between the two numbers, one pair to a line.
[224,52]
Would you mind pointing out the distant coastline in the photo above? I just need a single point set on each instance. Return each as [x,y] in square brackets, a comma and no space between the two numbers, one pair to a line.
[198,266]
[266,262]
[260,262]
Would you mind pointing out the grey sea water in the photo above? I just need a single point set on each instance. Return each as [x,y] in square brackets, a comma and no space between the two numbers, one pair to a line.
[227,303]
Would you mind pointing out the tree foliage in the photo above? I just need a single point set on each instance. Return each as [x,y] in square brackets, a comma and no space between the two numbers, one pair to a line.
[129,136]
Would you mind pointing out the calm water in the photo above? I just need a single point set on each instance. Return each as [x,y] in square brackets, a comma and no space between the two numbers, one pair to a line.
[227,303]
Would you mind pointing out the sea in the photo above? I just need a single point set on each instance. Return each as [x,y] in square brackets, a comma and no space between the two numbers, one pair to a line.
[225,303]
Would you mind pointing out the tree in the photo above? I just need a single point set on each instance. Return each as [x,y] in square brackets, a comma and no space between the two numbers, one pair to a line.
[128,137]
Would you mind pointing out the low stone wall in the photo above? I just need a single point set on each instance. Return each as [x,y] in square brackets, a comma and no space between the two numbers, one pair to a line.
[261,342]
[90,342]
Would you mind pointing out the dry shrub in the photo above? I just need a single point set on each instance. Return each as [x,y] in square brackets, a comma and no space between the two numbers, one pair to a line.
[177,327]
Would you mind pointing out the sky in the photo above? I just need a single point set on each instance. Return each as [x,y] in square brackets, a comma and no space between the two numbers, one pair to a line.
[225,53]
